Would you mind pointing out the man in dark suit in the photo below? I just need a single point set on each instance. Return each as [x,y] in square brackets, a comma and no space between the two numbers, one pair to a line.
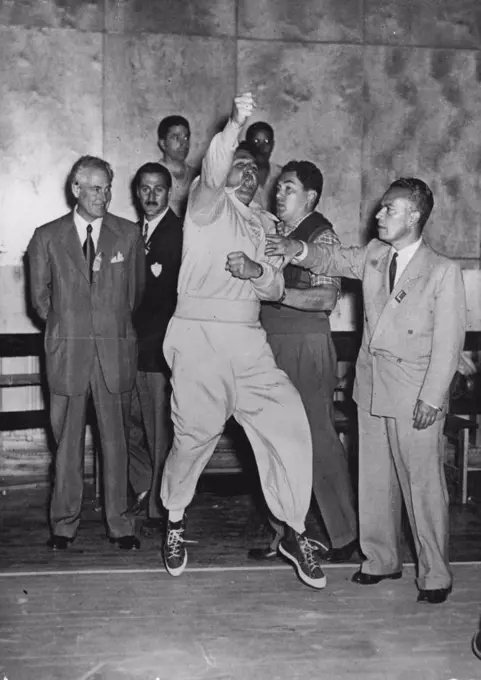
[162,234]
[87,300]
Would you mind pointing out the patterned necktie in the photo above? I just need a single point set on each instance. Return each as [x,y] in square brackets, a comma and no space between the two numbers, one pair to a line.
[392,272]
[145,232]
[89,251]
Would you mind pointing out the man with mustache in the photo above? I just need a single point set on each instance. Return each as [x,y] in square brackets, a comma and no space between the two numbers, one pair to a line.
[162,236]
[413,335]
[221,363]
[299,334]
[87,275]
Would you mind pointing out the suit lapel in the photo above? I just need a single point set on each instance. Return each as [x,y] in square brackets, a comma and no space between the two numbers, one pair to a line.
[415,269]
[71,242]
[107,239]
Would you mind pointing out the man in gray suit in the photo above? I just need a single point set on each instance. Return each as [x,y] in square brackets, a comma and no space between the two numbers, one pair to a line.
[414,326]
[86,300]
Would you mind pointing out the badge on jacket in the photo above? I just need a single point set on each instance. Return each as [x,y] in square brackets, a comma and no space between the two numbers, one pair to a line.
[156,268]
[97,262]
[117,258]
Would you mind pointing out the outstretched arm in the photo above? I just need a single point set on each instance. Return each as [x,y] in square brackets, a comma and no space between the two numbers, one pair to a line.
[331,260]
[208,188]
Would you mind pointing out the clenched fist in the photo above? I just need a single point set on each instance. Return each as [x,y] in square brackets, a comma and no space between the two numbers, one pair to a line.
[242,267]
[243,107]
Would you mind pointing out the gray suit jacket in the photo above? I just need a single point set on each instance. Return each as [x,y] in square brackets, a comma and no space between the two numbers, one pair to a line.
[83,319]
[413,337]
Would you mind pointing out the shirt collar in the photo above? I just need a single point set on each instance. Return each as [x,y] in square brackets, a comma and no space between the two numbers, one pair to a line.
[285,230]
[82,223]
[155,222]
[407,252]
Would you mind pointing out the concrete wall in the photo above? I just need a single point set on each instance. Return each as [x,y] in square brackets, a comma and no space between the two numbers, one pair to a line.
[368,89]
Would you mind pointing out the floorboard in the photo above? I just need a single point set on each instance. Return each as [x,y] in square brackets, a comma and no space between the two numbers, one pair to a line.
[253,624]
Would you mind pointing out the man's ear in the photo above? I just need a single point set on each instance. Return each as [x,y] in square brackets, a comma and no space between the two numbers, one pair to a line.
[75,188]
[161,144]
[415,217]
[311,198]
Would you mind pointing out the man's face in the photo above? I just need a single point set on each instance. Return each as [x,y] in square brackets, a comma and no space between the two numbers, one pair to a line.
[263,142]
[176,143]
[293,202]
[92,189]
[397,218]
[153,194]
[243,176]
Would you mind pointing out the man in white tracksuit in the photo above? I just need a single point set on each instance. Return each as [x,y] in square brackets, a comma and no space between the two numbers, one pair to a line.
[221,363]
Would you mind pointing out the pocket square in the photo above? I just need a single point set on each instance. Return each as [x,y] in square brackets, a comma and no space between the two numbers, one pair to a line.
[156,268]
[117,258]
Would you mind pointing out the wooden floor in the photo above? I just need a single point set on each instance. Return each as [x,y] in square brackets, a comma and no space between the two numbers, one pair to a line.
[232,624]
[96,613]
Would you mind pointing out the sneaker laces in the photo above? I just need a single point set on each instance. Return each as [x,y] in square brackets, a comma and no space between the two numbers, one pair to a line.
[317,545]
[175,539]
[308,549]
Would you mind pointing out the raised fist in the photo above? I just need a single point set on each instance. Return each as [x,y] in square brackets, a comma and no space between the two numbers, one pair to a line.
[243,107]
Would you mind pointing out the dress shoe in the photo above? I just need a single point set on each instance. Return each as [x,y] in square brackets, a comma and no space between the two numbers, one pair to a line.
[262,554]
[59,542]
[141,503]
[340,554]
[476,644]
[372,579]
[434,595]
[126,542]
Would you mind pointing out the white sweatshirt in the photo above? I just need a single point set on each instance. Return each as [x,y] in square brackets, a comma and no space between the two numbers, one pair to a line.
[216,224]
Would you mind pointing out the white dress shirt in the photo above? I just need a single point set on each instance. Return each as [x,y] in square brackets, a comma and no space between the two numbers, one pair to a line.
[404,257]
[82,225]
[152,225]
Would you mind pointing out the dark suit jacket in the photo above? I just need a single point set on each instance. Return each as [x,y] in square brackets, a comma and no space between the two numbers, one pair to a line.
[164,253]
[83,319]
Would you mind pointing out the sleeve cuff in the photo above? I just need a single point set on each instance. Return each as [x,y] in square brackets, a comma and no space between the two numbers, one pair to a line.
[300,258]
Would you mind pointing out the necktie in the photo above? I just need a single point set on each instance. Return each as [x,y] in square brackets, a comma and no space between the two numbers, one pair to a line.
[145,231]
[89,251]
[392,272]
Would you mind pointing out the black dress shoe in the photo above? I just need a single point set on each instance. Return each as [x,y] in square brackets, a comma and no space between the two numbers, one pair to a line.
[372,579]
[262,554]
[126,542]
[434,595]
[59,542]
[340,554]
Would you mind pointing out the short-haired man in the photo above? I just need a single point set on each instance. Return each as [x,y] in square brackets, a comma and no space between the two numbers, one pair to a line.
[162,236]
[173,139]
[260,138]
[87,272]
[414,326]
[221,363]
[299,334]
